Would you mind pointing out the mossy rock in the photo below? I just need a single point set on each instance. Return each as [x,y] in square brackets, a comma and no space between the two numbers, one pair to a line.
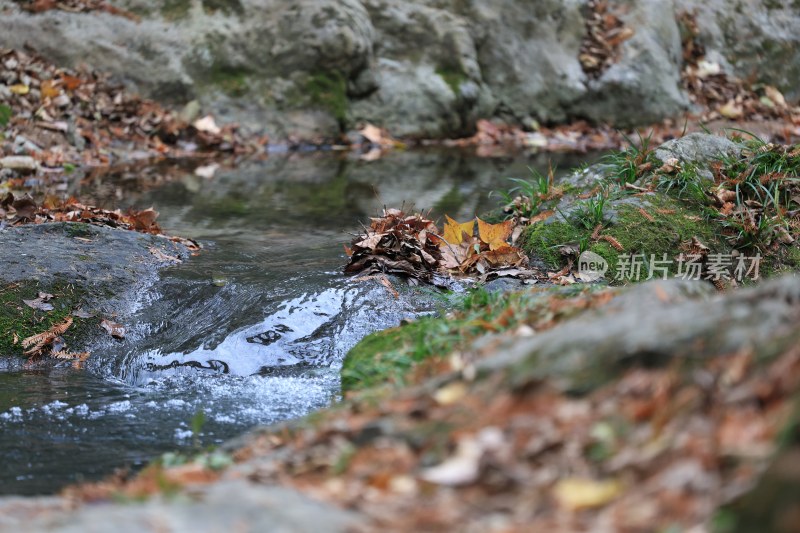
[655,227]
[453,78]
[385,356]
[328,91]
[99,269]
[19,321]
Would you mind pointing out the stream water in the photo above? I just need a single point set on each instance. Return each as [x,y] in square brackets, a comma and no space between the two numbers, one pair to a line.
[253,329]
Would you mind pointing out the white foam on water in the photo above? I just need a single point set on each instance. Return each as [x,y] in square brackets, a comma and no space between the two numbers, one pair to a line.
[119,407]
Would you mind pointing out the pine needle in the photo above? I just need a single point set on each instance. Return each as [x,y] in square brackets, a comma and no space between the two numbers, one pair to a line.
[40,340]
[613,242]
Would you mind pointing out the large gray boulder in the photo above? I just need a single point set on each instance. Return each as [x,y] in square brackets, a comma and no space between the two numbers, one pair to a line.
[422,68]
[753,39]
[644,85]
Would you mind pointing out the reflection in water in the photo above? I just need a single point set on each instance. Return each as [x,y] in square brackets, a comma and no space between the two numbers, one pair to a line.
[250,331]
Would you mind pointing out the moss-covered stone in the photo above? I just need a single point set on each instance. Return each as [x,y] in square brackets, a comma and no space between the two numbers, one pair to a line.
[452,77]
[385,356]
[656,230]
[328,90]
[19,321]
[174,10]
[231,80]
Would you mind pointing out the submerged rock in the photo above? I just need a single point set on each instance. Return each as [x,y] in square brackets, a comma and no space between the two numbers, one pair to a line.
[96,270]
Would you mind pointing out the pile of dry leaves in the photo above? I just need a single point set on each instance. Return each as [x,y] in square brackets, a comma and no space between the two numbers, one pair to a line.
[655,450]
[59,116]
[75,6]
[605,32]
[413,246]
[723,95]
[17,211]
[50,343]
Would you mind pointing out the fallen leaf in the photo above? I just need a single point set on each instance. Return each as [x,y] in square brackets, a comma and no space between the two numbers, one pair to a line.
[143,220]
[505,256]
[161,256]
[207,125]
[39,304]
[495,235]
[71,82]
[206,171]
[40,341]
[388,284]
[576,494]
[775,96]
[19,89]
[731,110]
[463,467]
[544,215]
[454,231]
[450,394]
[371,242]
[49,89]
[372,133]
[112,328]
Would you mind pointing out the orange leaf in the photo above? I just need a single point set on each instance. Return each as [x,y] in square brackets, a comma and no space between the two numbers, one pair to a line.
[454,231]
[49,90]
[495,235]
[544,215]
[505,256]
[71,82]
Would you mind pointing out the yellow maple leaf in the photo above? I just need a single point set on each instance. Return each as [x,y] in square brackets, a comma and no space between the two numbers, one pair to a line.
[454,231]
[495,235]
[19,89]
[49,89]
[578,493]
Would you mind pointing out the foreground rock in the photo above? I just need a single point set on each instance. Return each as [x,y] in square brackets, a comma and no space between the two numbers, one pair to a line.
[424,69]
[96,272]
[226,506]
[682,421]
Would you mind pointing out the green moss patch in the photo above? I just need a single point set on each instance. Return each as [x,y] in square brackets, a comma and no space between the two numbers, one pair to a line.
[18,320]
[453,78]
[328,90]
[232,81]
[656,230]
[174,10]
[388,357]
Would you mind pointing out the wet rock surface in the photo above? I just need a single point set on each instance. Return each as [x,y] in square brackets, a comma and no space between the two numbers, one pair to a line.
[97,258]
[92,270]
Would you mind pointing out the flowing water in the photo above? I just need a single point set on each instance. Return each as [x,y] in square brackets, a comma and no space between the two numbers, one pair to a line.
[251,331]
